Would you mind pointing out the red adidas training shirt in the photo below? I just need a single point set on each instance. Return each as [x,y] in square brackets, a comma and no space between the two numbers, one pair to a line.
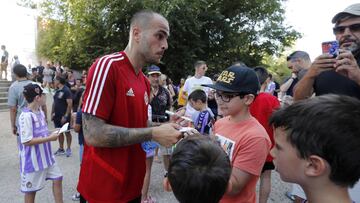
[116,94]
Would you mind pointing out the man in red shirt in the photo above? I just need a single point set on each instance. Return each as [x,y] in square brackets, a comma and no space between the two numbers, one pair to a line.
[262,108]
[115,115]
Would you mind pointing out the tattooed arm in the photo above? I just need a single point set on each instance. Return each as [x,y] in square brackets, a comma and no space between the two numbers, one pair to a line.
[97,133]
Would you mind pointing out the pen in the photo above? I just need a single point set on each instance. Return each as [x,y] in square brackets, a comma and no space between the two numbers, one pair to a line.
[183,117]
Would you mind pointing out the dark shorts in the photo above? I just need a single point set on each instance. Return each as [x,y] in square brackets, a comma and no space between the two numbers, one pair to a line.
[268,166]
[58,124]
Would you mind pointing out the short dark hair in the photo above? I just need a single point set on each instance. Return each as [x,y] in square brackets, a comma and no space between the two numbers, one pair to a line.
[298,54]
[199,63]
[262,74]
[32,90]
[61,79]
[143,17]
[327,126]
[199,170]
[20,70]
[198,95]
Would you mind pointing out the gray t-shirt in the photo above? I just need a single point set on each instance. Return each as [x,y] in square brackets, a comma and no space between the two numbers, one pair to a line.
[16,98]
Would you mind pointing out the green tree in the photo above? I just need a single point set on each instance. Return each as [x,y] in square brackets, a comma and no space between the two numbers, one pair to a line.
[217,31]
[277,66]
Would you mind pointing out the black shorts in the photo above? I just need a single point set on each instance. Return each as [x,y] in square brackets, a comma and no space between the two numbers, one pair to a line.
[268,166]
[58,124]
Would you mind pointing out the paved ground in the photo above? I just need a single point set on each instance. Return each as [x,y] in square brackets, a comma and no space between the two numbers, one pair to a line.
[10,180]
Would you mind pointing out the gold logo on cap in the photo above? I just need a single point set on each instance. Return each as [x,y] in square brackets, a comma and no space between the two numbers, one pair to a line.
[226,77]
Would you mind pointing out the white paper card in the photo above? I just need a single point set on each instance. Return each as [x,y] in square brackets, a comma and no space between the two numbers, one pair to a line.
[64,128]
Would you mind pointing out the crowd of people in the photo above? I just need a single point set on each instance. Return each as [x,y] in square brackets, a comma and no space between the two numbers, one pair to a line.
[217,137]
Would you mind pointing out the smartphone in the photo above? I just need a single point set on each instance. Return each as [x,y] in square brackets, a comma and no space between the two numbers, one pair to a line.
[331,47]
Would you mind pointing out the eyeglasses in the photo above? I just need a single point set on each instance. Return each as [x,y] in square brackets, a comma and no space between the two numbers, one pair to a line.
[227,97]
[341,29]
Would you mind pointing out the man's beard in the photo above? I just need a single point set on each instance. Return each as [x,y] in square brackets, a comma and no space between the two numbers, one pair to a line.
[356,53]
[355,48]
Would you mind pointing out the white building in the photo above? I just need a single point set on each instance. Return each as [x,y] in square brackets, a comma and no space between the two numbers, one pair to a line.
[18,31]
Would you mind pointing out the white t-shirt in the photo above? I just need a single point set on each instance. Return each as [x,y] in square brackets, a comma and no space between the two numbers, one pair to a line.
[192,84]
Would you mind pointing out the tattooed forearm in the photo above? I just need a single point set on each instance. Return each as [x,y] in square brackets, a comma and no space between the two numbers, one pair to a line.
[100,134]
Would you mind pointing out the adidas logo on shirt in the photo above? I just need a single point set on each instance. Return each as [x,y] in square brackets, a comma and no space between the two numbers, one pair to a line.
[130,93]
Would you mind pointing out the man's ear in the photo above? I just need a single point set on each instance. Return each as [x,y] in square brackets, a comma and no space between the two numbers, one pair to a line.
[315,166]
[136,33]
[166,185]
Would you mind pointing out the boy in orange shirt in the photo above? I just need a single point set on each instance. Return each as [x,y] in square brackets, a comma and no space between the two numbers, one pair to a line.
[242,137]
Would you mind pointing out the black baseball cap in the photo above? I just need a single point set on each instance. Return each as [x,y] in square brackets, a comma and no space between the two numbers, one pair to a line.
[32,90]
[237,79]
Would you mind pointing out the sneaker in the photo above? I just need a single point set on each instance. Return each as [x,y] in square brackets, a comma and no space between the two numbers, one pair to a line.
[68,152]
[76,197]
[290,196]
[59,152]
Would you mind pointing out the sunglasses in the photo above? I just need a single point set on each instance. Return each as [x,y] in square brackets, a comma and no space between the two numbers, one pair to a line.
[341,29]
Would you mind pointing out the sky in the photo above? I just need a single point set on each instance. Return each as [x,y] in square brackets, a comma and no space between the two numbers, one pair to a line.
[312,18]
[18,31]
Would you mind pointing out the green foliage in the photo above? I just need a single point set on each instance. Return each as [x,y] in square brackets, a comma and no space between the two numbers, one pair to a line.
[277,66]
[217,31]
